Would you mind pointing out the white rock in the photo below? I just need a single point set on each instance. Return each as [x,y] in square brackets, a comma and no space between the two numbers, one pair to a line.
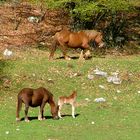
[118,91]
[99,72]
[7,52]
[87,99]
[101,86]
[100,100]
[7,132]
[90,77]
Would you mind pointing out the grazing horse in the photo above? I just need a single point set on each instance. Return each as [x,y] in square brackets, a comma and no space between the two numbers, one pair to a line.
[67,100]
[67,39]
[36,97]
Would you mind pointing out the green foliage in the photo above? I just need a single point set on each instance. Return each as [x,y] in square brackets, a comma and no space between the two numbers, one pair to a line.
[85,9]
[88,14]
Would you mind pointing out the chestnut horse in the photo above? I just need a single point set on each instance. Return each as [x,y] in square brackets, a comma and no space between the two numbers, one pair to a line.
[36,97]
[67,39]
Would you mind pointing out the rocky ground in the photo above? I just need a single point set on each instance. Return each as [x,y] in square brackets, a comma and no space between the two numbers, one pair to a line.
[25,24]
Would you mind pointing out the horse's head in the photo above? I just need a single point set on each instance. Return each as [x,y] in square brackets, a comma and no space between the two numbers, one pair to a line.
[101,44]
[96,36]
[54,112]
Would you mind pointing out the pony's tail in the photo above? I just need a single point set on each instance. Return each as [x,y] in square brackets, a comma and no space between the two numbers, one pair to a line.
[53,49]
[19,105]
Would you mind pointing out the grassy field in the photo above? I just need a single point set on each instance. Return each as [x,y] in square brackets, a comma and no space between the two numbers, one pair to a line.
[115,119]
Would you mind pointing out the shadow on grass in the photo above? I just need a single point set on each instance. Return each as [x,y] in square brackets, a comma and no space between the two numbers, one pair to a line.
[73,57]
[36,118]
[48,117]
[70,115]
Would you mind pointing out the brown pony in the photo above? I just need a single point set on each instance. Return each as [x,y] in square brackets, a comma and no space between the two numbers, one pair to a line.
[36,97]
[67,39]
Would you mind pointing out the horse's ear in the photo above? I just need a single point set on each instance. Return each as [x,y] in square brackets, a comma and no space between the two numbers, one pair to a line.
[74,92]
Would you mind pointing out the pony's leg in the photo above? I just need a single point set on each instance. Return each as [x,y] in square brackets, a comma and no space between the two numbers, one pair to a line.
[73,111]
[59,114]
[26,112]
[41,116]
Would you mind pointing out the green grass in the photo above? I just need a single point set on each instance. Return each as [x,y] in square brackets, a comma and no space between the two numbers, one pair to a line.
[117,118]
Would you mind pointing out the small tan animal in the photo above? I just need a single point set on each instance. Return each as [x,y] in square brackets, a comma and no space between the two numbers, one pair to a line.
[67,100]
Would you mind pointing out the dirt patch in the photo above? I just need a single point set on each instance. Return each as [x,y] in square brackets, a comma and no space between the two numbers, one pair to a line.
[17,30]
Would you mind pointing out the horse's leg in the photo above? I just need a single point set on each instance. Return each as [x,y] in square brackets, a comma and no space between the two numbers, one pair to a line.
[26,112]
[81,57]
[87,50]
[99,41]
[53,49]
[63,48]
[59,114]
[41,116]
[19,105]
[73,110]
[87,53]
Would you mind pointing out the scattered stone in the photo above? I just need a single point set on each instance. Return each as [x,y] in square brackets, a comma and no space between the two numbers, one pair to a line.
[115,98]
[7,52]
[90,76]
[7,132]
[51,81]
[33,19]
[100,73]
[101,86]
[92,122]
[99,100]
[87,99]
[118,91]
[114,78]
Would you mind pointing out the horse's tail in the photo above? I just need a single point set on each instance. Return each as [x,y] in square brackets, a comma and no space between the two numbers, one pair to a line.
[53,48]
[19,105]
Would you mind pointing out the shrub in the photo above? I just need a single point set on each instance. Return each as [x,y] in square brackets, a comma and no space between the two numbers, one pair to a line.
[105,15]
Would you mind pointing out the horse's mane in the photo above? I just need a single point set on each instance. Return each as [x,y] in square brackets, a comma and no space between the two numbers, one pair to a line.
[90,32]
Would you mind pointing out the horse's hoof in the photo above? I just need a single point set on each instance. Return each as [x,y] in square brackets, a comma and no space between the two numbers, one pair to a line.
[41,119]
[17,119]
[50,58]
[56,118]
[68,58]
[26,120]
[73,117]
[60,117]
